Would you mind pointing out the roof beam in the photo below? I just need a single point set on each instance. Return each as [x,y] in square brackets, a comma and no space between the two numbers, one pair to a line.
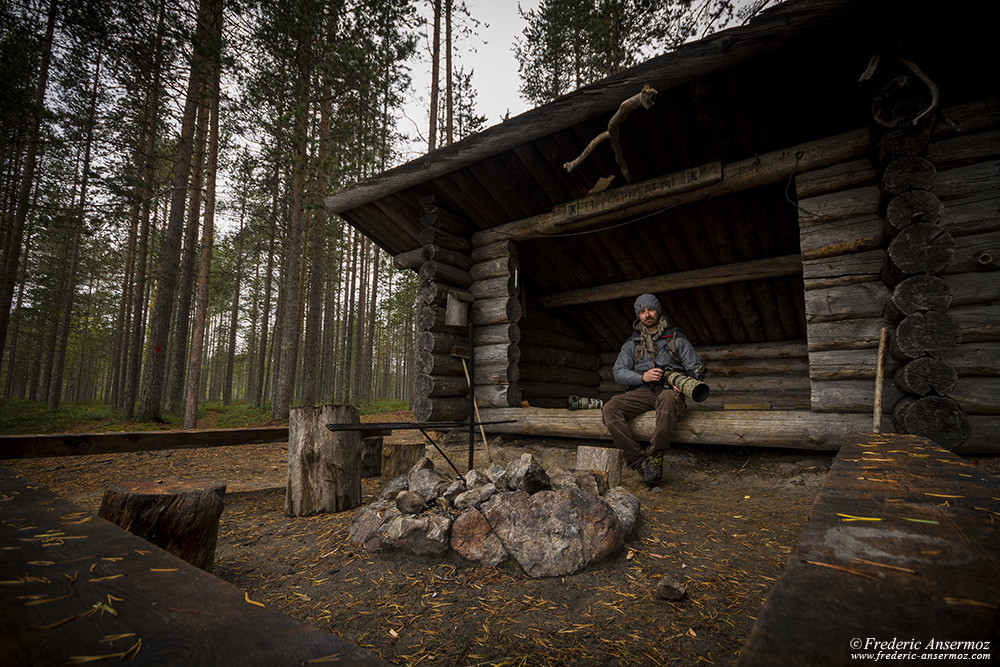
[684,187]
[771,267]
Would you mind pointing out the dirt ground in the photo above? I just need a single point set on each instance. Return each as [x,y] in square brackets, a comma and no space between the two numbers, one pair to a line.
[723,521]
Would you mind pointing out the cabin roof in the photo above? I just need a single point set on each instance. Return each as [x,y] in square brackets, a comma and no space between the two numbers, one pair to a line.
[788,77]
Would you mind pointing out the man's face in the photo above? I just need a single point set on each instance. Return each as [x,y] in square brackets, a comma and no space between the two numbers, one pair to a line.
[649,316]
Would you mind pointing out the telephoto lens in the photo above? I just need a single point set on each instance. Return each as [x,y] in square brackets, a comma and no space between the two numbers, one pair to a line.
[694,389]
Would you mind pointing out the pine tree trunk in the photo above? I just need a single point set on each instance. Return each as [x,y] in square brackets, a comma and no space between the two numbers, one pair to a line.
[132,356]
[259,393]
[227,388]
[448,83]
[182,312]
[151,396]
[288,340]
[12,254]
[208,228]
[56,390]
[435,76]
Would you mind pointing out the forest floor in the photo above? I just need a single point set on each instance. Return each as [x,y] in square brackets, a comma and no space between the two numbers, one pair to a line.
[723,521]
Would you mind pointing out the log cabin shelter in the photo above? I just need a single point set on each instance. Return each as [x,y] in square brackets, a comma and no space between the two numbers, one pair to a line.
[798,185]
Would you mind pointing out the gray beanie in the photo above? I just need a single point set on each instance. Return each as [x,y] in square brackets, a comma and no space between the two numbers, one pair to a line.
[647,301]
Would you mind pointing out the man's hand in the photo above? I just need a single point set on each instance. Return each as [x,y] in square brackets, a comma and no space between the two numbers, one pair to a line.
[653,375]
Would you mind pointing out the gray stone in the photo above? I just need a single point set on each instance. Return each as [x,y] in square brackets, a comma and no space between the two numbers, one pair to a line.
[429,483]
[592,481]
[422,535]
[394,486]
[606,459]
[498,475]
[625,505]
[409,502]
[367,521]
[671,589]
[473,539]
[469,498]
[453,490]
[552,533]
[486,492]
[527,474]
[475,478]
[562,480]
[424,463]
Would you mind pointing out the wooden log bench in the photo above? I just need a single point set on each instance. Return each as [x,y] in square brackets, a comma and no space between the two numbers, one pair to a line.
[903,543]
[796,429]
[76,588]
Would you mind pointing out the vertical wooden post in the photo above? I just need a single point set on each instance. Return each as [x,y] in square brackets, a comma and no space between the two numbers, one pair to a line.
[324,467]
[879,380]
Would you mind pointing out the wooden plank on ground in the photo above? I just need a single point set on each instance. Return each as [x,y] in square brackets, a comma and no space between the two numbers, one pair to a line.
[74,587]
[66,444]
[69,444]
[903,544]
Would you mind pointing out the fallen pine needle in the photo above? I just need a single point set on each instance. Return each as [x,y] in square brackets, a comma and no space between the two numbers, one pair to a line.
[37,602]
[247,597]
[851,517]
[842,569]
[163,569]
[333,657]
[942,495]
[971,603]
[885,565]
[921,520]
[108,578]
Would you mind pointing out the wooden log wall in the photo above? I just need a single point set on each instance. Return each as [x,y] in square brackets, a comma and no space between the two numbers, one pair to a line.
[905,241]
[770,375]
[556,361]
[440,388]
[495,313]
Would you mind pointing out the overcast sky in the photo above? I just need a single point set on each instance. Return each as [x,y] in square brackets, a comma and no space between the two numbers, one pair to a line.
[490,56]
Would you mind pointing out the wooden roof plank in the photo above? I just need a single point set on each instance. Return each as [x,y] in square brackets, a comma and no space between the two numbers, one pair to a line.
[767,33]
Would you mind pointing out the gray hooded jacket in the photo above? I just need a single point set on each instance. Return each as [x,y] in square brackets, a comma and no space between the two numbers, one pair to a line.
[629,372]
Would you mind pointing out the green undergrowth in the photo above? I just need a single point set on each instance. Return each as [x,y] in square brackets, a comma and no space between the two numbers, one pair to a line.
[23,416]
[18,416]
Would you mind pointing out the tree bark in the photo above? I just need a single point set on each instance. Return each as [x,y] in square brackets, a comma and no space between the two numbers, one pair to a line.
[288,339]
[56,390]
[180,516]
[208,229]
[12,254]
[154,377]
[178,357]
[324,473]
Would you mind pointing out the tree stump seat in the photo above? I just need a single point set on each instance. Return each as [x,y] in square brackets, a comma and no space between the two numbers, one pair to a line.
[179,516]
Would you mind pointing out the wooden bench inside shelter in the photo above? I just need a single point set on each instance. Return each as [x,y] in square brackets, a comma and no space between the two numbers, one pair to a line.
[903,544]
[76,588]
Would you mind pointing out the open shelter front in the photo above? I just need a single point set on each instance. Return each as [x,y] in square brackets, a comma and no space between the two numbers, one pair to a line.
[776,196]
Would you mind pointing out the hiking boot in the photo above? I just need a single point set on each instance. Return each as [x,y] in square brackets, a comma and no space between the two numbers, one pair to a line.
[652,470]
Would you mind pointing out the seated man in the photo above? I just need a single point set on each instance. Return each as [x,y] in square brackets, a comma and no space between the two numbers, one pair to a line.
[653,347]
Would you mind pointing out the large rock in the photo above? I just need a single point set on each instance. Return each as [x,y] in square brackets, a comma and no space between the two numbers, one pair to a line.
[552,533]
[527,474]
[473,539]
[428,483]
[625,505]
[409,502]
[367,521]
[426,534]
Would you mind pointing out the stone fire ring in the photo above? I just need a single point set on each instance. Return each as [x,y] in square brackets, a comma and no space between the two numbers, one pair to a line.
[552,522]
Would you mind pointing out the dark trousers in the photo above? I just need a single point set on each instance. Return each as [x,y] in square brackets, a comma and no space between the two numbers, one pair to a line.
[669,406]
